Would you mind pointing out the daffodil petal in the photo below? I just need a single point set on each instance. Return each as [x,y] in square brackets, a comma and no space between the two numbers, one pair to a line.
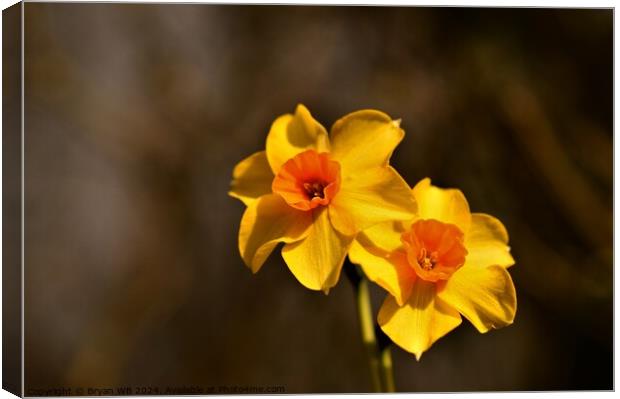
[389,270]
[291,134]
[485,296]
[364,139]
[267,222]
[375,196]
[487,242]
[420,322]
[384,235]
[252,178]
[317,260]
[444,205]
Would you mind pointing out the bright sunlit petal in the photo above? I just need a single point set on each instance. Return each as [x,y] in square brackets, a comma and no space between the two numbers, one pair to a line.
[291,134]
[317,260]
[485,296]
[267,222]
[420,322]
[252,178]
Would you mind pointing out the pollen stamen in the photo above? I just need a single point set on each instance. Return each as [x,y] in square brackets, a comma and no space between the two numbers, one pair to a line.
[426,261]
[314,190]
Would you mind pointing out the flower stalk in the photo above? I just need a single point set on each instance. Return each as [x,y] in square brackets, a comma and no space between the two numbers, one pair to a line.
[386,370]
[378,351]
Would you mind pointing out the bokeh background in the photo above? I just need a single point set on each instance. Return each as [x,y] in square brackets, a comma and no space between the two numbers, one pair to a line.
[137,114]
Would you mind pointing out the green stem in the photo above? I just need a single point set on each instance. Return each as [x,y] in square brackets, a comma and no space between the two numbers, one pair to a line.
[384,343]
[387,371]
[379,360]
[364,311]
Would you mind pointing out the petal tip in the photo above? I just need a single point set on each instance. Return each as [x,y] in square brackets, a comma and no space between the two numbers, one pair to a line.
[484,330]
[301,108]
[424,183]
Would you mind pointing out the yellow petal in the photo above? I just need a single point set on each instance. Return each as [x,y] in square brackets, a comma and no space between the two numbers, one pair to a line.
[292,134]
[384,235]
[317,260]
[487,242]
[445,205]
[420,322]
[485,296]
[390,270]
[252,178]
[364,139]
[266,222]
[375,196]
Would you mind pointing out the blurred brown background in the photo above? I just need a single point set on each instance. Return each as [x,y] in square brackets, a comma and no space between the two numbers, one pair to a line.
[136,115]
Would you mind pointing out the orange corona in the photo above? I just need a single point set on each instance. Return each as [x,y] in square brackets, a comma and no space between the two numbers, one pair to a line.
[308,180]
[434,249]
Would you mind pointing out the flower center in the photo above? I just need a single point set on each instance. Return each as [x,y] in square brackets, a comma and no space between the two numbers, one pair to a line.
[435,250]
[315,189]
[427,261]
[308,180]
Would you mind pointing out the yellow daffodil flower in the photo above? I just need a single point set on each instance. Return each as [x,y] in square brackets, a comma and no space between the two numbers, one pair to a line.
[314,193]
[444,263]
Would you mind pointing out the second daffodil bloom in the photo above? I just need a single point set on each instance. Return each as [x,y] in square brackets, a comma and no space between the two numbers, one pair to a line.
[315,192]
[444,263]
